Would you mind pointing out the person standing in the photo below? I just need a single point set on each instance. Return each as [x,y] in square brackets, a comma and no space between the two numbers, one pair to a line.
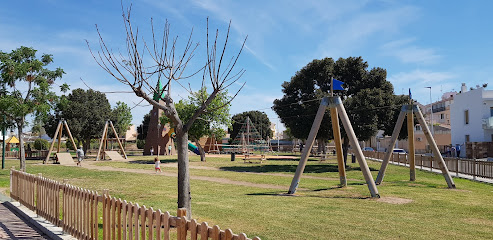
[457,148]
[152,151]
[80,155]
[169,149]
[157,164]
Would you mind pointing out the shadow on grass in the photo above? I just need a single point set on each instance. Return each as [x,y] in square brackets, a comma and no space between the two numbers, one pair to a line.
[315,168]
[152,161]
[276,194]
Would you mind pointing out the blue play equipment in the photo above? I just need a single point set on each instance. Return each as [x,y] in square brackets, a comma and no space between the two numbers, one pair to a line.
[193,148]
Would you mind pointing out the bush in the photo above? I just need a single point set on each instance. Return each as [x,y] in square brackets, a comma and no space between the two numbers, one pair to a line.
[41,144]
[141,144]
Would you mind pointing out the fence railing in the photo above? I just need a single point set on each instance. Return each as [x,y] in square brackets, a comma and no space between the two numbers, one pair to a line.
[77,211]
[473,167]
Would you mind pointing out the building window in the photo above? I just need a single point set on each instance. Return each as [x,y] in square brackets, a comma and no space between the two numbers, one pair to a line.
[419,139]
[491,111]
[466,116]
[467,138]
[441,116]
[418,128]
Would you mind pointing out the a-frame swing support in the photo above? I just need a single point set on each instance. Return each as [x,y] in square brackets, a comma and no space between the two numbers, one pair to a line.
[104,140]
[409,110]
[58,134]
[337,109]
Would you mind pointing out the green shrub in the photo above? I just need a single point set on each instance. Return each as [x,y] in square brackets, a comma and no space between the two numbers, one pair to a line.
[141,144]
[41,144]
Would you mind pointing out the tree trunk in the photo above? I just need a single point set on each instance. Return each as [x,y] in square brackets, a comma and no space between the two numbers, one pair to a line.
[86,145]
[22,152]
[184,196]
[345,146]
[201,150]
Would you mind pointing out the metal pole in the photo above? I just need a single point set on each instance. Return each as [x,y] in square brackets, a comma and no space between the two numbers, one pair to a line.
[431,113]
[3,141]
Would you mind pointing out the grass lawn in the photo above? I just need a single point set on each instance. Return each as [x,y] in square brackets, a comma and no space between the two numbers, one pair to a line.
[320,209]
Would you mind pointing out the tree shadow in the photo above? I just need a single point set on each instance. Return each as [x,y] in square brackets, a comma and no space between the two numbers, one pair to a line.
[277,194]
[152,161]
[313,168]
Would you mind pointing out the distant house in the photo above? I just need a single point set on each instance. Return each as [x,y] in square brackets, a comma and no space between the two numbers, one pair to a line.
[131,134]
[472,117]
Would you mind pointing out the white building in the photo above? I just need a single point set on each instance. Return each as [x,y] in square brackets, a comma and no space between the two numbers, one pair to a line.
[472,116]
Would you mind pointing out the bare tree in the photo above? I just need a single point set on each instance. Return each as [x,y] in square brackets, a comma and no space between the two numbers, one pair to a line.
[167,67]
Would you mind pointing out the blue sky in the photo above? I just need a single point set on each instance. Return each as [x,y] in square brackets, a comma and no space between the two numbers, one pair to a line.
[420,43]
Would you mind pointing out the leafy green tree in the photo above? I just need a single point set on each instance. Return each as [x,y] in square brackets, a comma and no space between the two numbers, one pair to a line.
[211,123]
[259,119]
[28,83]
[368,98]
[86,113]
[41,144]
[142,128]
[123,117]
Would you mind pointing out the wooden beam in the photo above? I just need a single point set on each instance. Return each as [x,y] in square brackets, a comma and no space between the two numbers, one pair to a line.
[53,142]
[102,140]
[410,140]
[395,135]
[359,154]
[309,144]
[70,134]
[118,139]
[338,144]
[434,148]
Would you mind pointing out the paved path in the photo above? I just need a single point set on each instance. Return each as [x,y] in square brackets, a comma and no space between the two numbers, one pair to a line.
[13,227]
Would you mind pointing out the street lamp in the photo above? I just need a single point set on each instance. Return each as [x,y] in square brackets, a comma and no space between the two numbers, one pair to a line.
[431,113]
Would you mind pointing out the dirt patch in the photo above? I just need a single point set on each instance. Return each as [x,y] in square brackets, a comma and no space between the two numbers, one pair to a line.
[394,200]
[479,221]
[458,190]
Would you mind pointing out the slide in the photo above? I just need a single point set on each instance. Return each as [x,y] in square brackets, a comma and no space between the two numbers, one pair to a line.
[193,148]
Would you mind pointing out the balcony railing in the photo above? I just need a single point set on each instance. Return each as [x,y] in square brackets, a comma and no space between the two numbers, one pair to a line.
[488,123]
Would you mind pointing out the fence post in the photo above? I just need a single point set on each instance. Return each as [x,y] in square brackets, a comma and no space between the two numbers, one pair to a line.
[181,224]
[474,168]
[457,167]
[12,169]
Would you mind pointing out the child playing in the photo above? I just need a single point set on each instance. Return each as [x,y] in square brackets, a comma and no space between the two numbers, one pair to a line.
[157,164]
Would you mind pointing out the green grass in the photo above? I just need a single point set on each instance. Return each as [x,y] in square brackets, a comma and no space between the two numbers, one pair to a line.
[320,210]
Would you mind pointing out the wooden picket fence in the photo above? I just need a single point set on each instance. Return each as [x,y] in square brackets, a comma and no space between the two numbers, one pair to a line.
[77,211]
[473,167]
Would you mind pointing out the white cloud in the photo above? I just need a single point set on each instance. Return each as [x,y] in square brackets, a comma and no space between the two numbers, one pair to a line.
[420,76]
[407,52]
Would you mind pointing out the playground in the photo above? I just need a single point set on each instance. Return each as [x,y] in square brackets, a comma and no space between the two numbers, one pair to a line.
[251,197]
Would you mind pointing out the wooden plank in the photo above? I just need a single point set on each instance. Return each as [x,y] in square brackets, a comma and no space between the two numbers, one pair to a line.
[242,236]
[136,221]
[228,234]
[143,212]
[113,218]
[130,220]
[204,231]
[124,220]
[165,221]
[150,223]
[102,140]
[193,229]
[119,218]
[216,231]
[105,232]
[157,217]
